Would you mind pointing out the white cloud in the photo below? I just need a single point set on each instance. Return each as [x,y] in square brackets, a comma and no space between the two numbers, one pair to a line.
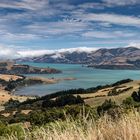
[105,35]
[66,26]
[97,34]
[111,18]
[6,35]
[133,44]
[105,24]
[33,53]
[8,53]
[54,53]
[37,20]
[121,2]
[24,4]
[91,5]
[20,36]
[79,49]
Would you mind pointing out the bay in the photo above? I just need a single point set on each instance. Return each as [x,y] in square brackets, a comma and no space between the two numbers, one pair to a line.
[85,78]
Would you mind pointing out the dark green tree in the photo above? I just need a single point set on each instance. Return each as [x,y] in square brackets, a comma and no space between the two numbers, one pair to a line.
[62,101]
[108,104]
[136,96]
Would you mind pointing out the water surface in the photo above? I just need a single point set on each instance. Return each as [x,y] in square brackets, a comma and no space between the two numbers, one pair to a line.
[86,77]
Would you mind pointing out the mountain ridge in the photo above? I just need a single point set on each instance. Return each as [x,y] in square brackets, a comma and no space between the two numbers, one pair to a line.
[114,58]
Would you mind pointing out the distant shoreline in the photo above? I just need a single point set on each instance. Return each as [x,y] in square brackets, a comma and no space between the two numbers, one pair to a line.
[104,67]
[11,67]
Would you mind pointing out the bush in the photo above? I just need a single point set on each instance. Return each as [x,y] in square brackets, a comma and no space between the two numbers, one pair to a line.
[11,103]
[136,96]
[128,101]
[114,91]
[108,104]
[133,101]
[16,130]
[42,117]
[122,82]
[62,101]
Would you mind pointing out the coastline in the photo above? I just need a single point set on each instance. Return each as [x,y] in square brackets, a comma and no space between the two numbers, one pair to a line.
[5,96]
[18,82]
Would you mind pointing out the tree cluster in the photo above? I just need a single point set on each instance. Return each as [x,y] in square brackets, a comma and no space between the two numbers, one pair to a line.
[62,101]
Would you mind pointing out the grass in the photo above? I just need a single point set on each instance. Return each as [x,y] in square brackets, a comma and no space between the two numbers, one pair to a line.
[125,128]
[95,101]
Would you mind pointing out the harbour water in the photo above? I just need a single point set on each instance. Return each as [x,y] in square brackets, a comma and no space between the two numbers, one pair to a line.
[85,78]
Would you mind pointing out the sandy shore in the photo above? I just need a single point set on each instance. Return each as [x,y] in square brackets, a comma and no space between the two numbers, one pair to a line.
[50,80]
[7,77]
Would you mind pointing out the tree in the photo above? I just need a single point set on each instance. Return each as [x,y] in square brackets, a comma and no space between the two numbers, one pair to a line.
[108,104]
[136,96]
[62,101]
[12,103]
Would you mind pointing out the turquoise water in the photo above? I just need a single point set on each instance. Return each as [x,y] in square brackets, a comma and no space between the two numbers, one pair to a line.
[86,77]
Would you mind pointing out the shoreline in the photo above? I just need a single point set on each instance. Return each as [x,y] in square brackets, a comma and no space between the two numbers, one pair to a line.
[10,83]
[5,96]
[30,81]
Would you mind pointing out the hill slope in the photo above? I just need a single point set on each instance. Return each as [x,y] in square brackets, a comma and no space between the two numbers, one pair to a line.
[115,58]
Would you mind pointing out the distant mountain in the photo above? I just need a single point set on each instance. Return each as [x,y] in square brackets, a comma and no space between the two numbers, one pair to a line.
[115,58]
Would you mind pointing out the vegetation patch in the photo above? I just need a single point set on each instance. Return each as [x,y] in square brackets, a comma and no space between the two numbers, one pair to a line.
[115,92]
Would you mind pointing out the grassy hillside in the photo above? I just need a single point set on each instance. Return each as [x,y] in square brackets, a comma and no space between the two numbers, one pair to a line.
[96,99]
[95,96]
[127,127]
[100,113]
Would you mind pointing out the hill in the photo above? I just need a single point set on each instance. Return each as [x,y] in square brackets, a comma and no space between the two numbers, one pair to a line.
[93,97]
[9,67]
[76,114]
[115,58]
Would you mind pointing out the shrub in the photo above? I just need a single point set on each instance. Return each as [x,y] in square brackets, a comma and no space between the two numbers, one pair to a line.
[62,101]
[136,96]
[122,82]
[108,104]
[128,101]
[114,92]
[133,101]
[12,103]
[45,116]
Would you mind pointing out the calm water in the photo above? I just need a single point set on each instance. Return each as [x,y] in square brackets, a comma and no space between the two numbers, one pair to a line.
[86,77]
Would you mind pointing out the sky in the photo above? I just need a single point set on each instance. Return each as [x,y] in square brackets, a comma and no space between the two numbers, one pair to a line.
[31,25]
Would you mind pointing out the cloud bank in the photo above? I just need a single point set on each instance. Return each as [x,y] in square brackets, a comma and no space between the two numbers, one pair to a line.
[33,53]
[9,53]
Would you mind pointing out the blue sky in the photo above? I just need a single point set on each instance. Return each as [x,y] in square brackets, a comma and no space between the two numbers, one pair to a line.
[55,24]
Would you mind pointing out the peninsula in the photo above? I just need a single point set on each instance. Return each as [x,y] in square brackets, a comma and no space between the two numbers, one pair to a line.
[11,67]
